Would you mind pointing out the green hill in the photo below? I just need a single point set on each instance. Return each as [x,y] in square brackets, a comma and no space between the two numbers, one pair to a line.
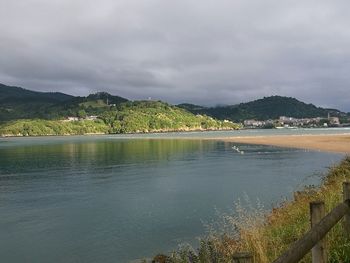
[106,97]
[29,113]
[191,107]
[16,102]
[26,112]
[263,109]
[19,103]
[10,95]
[129,117]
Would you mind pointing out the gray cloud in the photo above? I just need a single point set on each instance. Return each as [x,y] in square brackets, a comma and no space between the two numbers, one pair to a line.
[206,52]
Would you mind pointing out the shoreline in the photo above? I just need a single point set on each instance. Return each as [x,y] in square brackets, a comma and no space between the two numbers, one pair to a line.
[337,143]
[268,235]
[185,131]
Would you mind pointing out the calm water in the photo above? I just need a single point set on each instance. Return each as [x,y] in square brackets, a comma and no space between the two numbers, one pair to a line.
[116,199]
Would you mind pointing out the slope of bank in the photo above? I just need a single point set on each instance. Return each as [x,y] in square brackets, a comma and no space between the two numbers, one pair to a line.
[268,235]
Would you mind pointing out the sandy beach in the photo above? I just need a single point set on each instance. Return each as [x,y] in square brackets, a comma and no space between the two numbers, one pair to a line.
[330,143]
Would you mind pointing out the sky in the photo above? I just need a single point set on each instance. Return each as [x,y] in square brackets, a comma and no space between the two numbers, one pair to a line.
[203,52]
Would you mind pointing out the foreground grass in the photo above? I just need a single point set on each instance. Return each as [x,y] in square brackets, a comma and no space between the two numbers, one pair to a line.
[268,235]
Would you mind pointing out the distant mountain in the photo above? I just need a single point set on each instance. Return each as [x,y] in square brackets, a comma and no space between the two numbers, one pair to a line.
[263,109]
[106,97]
[19,103]
[128,117]
[29,113]
[191,107]
[11,94]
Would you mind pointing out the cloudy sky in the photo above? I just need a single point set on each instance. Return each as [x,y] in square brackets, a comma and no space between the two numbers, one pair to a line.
[205,52]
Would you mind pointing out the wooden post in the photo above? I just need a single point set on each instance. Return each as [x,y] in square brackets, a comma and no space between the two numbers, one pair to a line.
[300,248]
[243,257]
[346,198]
[317,212]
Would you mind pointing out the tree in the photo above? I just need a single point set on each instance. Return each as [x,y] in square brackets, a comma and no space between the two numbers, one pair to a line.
[108,117]
[82,114]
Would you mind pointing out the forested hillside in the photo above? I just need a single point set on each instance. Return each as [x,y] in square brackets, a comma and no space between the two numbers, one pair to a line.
[47,114]
[19,103]
[263,109]
[130,117]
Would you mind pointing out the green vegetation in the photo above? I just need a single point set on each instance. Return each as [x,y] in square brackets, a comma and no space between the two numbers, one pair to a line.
[156,116]
[19,95]
[29,113]
[122,116]
[47,127]
[17,103]
[130,117]
[269,235]
[263,109]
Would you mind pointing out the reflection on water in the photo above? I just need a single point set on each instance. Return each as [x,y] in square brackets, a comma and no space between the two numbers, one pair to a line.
[87,199]
[97,154]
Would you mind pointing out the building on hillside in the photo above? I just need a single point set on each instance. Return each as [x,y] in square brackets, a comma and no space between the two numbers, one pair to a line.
[254,123]
[295,122]
[286,120]
[334,121]
[72,119]
[91,118]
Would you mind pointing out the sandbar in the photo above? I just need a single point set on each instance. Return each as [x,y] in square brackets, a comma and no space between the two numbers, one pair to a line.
[339,143]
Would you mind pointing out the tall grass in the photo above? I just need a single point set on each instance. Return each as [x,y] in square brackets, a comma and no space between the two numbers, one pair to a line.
[268,235]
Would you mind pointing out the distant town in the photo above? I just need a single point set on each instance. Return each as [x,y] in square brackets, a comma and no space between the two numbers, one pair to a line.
[281,122]
[290,122]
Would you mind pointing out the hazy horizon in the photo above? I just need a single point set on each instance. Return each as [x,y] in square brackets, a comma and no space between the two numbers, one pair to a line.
[208,53]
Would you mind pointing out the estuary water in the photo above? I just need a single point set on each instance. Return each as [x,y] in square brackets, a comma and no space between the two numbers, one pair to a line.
[122,198]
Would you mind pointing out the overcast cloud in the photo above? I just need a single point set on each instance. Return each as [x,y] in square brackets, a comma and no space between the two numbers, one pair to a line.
[205,52]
